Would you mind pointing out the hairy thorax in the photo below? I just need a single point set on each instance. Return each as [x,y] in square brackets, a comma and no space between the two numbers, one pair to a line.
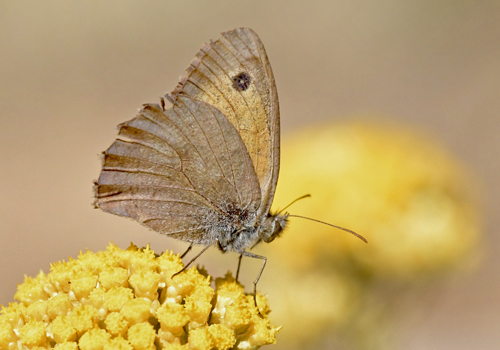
[242,231]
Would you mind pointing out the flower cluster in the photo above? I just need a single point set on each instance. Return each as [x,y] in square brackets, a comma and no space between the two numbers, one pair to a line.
[127,299]
[412,200]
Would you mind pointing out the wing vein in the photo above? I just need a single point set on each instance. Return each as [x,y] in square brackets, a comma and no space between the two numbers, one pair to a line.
[153,200]
[229,156]
[208,142]
[148,147]
[190,182]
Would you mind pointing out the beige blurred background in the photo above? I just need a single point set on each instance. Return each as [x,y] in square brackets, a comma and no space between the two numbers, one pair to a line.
[71,71]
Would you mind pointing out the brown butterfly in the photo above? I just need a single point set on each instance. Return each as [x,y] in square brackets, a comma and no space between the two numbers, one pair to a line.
[204,170]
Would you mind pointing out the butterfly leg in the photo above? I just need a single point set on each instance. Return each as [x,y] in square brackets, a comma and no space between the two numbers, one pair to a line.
[255,256]
[192,260]
[187,250]
[238,269]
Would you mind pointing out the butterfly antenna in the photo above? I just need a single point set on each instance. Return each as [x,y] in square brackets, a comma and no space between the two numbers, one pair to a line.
[326,223]
[298,199]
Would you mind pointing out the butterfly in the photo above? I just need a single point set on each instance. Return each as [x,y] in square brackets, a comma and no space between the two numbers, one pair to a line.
[205,169]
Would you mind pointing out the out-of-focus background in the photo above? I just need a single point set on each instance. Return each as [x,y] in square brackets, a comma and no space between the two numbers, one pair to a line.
[71,71]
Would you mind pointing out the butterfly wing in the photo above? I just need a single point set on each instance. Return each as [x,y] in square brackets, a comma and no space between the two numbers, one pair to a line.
[179,171]
[234,75]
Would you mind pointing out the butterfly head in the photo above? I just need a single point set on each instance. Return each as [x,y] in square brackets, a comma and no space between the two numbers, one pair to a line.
[273,227]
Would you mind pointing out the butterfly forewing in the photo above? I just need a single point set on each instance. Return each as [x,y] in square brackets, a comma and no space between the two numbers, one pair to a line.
[233,74]
[179,171]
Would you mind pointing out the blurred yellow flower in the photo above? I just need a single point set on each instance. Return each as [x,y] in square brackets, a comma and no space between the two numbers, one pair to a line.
[405,194]
[126,299]
[413,202]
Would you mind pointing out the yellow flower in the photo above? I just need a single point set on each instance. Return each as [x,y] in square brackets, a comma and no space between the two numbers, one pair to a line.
[413,202]
[405,194]
[127,299]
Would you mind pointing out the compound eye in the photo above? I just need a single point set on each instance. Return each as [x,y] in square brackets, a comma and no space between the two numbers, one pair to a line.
[276,232]
[277,229]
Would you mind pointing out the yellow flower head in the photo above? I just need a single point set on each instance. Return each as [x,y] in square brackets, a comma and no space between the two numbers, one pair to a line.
[127,299]
[411,199]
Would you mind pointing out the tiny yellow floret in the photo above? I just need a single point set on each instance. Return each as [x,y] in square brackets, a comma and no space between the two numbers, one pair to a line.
[94,339]
[59,305]
[60,275]
[232,308]
[172,318]
[116,324]
[142,336]
[7,335]
[30,291]
[117,297]
[222,337]
[83,318]
[38,311]
[62,330]
[198,305]
[113,277]
[136,311]
[145,284]
[33,334]
[200,339]
[82,284]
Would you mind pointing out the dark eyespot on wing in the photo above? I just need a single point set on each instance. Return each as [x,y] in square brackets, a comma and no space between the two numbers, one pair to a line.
[242,81]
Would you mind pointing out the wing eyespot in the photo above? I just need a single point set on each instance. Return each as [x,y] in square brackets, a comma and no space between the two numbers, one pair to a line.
[242,81]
